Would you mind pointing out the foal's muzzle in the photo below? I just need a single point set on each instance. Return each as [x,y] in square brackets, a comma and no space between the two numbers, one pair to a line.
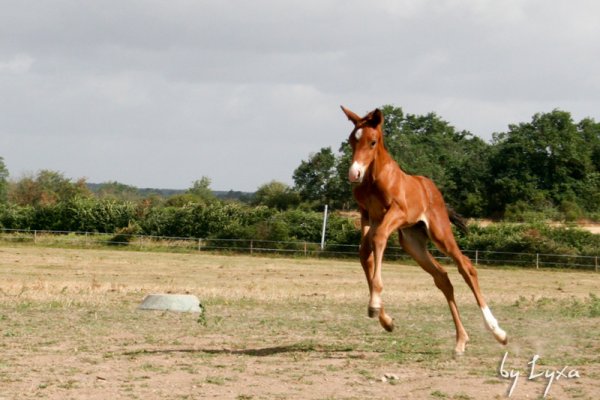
[356,173]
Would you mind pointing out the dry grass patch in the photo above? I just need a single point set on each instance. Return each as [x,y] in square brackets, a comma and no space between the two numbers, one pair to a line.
[277,328]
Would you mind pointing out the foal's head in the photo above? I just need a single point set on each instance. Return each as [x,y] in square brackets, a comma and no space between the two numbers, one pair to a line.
[365,139]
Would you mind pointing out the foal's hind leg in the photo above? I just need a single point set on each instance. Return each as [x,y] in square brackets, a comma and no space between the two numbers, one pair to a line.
[442,236]
[414,241]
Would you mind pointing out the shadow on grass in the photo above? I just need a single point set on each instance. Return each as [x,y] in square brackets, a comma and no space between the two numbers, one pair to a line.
[258,352]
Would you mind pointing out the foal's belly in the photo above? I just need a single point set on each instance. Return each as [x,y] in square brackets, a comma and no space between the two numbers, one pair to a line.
[409,217]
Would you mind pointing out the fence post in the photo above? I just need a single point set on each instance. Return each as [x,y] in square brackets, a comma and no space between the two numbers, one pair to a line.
[251,247]
[596,262]
[476,257]
[537,261]
[324,228]
[306,253]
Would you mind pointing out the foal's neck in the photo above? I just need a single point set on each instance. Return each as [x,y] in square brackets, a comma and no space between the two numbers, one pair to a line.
[385,160]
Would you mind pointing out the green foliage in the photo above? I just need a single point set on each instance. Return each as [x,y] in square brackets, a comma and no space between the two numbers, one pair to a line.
[3,182]
[13,216]
[574,308]
[126,234]
[545,169]
[46,188]
[537,210]
[318,181]
[586,308]
[456,160]
[230,220]
[273,229]
[276,195]
[202,318]
[91,215]
[549,158]
[117,191]
[548,168]
[530,238]
[201,190]
[181,200]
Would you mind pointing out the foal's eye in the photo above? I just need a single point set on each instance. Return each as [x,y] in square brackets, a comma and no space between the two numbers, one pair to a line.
[373,143]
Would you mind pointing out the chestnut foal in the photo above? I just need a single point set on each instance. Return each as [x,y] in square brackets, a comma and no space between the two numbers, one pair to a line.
[391,200]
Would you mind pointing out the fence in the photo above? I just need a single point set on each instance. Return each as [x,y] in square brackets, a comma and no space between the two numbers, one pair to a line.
[295,248]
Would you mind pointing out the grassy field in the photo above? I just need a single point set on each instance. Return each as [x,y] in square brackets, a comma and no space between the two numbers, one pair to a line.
[282,329]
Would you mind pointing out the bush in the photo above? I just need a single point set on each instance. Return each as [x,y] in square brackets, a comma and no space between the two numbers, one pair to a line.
[92,215]
[571,211]
[16,217]
[530,238]
[125,235]
[522,211]
[219,220]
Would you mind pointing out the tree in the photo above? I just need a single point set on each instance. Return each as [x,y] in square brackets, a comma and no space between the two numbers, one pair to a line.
[544,163]
[422,145]
[549,165]
[590,197]
[590,131]
[276,195]
[341,189]
[317,180]
[117,191]
[468,194]
[201,190]
[199,193]
[455,160]
[46,188]
[3,182]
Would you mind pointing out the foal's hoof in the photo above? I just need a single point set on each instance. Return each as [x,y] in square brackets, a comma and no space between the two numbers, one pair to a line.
[459,350]
[387,323]
[374,312]
[458,354]
[500,335]
[503,339]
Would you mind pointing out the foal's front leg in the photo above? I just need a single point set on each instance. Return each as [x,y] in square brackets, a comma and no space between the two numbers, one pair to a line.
[391,222]
[366,253]
[367,260]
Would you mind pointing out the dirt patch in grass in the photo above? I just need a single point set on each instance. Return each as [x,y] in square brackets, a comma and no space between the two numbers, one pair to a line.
[280,329]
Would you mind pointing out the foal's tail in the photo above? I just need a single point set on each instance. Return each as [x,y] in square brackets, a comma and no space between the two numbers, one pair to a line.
[458,220]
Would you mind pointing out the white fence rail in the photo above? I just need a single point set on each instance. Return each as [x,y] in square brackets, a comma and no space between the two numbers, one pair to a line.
[296,248]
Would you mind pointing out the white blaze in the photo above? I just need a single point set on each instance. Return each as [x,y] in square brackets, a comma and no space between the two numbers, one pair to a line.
[358,133]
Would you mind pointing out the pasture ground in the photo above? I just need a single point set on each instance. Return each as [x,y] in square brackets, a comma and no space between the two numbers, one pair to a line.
[281,329]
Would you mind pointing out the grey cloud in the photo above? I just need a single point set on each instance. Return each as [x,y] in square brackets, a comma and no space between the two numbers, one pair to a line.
[99,89]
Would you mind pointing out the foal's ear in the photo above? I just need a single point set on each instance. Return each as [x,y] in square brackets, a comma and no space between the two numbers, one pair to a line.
[374,118]
[351,116]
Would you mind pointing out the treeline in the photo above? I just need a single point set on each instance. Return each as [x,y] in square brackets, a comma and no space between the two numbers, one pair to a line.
[546,169]
[50,201]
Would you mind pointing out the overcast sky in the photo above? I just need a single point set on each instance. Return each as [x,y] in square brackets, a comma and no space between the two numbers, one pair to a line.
[161,93]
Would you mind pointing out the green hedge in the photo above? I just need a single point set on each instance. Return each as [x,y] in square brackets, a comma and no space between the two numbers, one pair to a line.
[221,220]
[531,238]
[215,220]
